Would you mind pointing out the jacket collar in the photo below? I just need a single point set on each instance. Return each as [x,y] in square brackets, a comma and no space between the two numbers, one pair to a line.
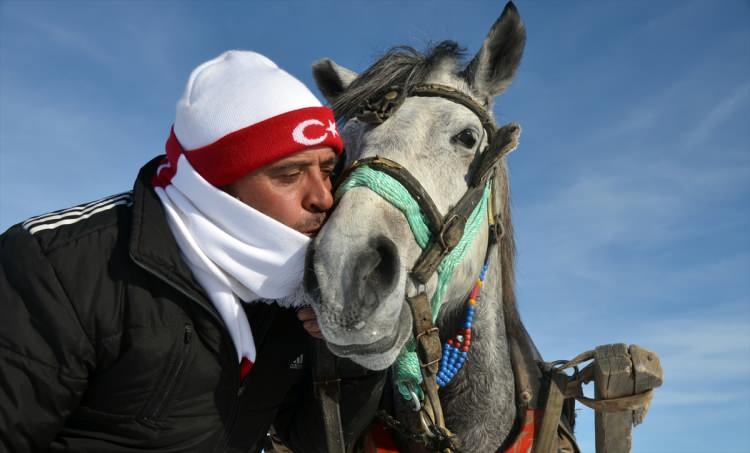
[151,242]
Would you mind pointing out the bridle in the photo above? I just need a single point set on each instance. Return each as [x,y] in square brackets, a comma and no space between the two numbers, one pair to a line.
[446,231]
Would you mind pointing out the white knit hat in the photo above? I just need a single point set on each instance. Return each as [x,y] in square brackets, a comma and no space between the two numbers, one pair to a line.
[240,111]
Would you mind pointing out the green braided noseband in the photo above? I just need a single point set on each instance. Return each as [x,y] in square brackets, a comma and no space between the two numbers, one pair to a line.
[407,375]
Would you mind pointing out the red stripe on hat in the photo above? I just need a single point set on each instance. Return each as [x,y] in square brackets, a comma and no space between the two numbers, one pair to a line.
[242,151]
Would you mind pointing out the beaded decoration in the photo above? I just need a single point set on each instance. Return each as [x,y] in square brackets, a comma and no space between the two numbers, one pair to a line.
[456,349]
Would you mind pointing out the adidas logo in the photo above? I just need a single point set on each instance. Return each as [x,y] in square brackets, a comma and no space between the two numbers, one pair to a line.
[298,363]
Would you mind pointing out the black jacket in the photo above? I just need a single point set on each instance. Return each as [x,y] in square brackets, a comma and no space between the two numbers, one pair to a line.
[108,343]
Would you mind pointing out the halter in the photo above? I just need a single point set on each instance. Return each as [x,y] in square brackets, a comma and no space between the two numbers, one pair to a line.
[446,230]
[444,240]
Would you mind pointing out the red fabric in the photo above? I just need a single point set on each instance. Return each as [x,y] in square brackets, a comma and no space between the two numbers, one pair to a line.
[245,366]
[242,151]
[381,437]
[164,172]
[525,440]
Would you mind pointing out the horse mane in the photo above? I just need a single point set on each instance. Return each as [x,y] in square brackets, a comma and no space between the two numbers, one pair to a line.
[404,66]
[507,251]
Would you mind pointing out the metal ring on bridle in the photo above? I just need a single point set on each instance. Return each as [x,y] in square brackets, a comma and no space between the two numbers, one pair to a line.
[415,399]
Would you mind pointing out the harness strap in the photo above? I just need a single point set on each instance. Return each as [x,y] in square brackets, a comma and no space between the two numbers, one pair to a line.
[327,390]
[502,143]
[450,234]
[547,438]
[429,353]
[426,334]
[452,94]
[623,403]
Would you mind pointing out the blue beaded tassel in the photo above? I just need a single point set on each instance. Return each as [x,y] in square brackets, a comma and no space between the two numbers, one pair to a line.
[456,349]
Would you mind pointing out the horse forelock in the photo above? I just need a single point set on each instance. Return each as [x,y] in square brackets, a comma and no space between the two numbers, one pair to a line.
[401,66]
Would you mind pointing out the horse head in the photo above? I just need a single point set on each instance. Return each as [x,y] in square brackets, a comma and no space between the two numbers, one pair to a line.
[364,254]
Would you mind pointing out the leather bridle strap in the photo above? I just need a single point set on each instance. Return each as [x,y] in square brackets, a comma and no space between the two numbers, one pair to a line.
[382,106]
[327,389]
[504,141]
[452,94]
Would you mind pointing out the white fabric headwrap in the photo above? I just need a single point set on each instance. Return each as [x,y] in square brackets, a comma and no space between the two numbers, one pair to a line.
[235,252]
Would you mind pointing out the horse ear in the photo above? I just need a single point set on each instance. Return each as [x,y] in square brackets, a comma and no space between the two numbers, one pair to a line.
[493,68]
[331,78]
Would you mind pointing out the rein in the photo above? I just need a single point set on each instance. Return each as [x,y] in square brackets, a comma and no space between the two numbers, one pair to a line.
[444,241]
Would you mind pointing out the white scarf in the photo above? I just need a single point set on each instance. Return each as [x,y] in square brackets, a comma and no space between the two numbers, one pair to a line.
[235,252]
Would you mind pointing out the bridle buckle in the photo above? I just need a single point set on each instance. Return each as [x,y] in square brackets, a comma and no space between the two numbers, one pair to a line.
[378,109]
[448,237]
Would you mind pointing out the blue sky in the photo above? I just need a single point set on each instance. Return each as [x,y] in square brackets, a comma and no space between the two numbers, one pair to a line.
[631,187]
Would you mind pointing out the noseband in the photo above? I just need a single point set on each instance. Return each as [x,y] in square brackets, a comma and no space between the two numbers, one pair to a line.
[446,232]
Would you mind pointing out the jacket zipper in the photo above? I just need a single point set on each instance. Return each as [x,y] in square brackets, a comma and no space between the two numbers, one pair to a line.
[240,390]
[173,377]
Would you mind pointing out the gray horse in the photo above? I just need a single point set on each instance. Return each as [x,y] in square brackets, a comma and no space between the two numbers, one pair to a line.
[363,255]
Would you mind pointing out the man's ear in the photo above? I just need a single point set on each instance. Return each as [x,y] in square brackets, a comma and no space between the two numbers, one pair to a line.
[493,67]
[331,78]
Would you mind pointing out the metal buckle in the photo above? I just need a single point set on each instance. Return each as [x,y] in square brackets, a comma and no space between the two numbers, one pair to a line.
[378,110]
[430,331]
[496,228]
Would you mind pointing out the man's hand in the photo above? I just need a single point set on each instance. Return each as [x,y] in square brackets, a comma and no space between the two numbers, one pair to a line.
[309,322]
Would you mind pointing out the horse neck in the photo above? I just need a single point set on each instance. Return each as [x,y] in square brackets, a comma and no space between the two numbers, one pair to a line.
[479,404]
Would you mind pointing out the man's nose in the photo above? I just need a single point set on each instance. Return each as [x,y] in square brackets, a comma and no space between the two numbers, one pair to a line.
[320,197]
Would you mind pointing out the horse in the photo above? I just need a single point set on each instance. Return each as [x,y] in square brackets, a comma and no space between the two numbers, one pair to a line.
[364,255]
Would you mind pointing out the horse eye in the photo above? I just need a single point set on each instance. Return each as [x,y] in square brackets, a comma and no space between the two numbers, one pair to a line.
[466,137]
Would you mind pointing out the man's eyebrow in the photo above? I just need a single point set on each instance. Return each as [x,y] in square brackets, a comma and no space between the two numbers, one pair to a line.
[329,161]
[333,160]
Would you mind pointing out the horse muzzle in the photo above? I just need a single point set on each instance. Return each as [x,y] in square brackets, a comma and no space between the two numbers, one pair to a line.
[382,352]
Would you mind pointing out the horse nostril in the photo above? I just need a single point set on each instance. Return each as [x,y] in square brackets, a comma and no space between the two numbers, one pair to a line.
[375,273]
[382,261]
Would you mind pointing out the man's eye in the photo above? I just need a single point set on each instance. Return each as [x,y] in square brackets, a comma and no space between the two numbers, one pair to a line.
[289,177]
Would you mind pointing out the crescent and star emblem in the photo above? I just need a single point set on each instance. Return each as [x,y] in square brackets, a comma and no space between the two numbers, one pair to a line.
[299,132]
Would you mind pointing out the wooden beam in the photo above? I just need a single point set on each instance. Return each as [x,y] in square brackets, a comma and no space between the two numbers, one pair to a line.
[612,379]
[621,371]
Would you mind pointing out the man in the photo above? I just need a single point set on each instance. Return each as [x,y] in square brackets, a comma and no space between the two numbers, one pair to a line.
[163,319]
